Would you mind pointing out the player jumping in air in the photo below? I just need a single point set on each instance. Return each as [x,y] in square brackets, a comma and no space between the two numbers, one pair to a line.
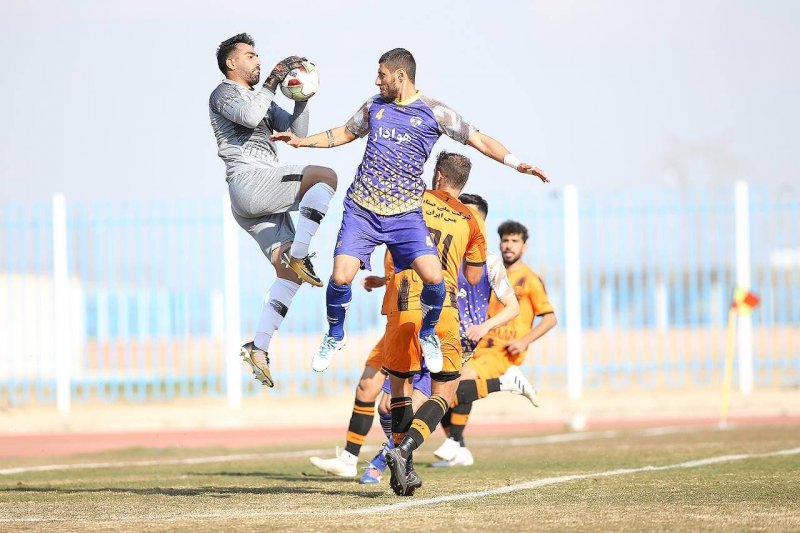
[262,191]
[383,204]
[450,174]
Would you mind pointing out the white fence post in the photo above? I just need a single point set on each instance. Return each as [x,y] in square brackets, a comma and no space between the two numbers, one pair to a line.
[232,342]
[607,305]
[572,294]
[62,344]
[744,332]
[662,306]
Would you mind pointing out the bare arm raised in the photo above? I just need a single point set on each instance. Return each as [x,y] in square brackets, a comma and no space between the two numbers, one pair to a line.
[325,139]
[493,148]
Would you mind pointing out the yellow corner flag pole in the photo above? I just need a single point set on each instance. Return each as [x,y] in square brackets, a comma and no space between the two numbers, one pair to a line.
[743,303]
[727,377]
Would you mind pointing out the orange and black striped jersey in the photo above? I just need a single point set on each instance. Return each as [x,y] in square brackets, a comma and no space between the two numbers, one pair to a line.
[533,302]
[460,237]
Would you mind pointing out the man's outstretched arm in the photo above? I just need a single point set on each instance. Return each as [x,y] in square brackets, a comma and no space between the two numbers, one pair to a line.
[325,139]
[493,148]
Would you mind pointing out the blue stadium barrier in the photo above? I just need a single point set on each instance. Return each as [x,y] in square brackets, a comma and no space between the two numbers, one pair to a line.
[146,285]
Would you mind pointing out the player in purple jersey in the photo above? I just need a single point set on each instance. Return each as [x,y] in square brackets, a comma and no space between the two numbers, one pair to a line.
[383,204]
[262,191]
[473,300]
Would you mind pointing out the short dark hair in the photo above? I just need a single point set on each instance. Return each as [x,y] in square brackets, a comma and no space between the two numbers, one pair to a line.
[454,167]
[400,58]
[476,200]
[512,227]
[229,45]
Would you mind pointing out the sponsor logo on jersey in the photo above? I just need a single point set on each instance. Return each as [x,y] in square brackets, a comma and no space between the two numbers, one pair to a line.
[390,133]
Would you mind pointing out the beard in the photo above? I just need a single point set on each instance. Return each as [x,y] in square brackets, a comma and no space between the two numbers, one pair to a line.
[254,77]
[390,90]
[509,258]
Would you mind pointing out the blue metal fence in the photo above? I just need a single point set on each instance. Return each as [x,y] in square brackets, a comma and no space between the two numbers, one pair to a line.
[147,295]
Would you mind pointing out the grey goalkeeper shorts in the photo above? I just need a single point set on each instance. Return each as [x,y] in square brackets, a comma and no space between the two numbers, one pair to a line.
[261,201]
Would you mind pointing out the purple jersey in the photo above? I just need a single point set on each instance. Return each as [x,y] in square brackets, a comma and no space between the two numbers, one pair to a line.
[401,136]
[473,300]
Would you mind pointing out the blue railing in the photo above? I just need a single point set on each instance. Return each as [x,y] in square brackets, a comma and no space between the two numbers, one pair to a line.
[147,281]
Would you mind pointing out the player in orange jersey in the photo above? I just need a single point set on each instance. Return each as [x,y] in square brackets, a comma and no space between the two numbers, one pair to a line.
[370,385]
[460,239]
[495,363]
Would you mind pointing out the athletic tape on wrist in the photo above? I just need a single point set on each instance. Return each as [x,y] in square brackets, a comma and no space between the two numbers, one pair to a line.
[511,160]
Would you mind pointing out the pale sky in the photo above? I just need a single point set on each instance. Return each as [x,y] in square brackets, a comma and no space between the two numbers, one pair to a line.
[109,99]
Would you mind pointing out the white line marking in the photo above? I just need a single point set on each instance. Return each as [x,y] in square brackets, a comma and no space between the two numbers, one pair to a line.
[519,441]
[159,462]
[564,479]
[424,502]
[590,435]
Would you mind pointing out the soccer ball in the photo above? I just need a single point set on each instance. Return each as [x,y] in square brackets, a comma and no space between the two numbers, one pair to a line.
[301,83]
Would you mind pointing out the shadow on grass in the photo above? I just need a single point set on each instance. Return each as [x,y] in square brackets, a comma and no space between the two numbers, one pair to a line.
[303,477]
[214,492]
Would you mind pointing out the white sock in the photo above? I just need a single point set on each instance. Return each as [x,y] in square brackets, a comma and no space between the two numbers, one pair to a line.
[276,304]
[313,207]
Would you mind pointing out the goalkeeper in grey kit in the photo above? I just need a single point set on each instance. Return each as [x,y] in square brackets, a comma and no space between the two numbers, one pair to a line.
[262,191]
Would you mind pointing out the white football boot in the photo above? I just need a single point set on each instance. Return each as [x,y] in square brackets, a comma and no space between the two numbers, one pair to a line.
[327,349]
[447,451]
[513,380]
[432,352]
[343,465]
[463,457]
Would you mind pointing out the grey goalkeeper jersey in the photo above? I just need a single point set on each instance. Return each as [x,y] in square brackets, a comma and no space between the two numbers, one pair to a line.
[243,119]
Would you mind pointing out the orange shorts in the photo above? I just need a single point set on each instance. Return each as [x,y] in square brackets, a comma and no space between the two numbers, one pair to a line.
[375,359]
[402,355]
[491,362]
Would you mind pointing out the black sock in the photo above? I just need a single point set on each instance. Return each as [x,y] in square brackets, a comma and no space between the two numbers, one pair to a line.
[467,392]
[459,420]
[425,421]
[445,422]
[402,415]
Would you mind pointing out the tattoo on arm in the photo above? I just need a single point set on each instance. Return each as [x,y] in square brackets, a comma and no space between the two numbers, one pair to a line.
[329,133]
